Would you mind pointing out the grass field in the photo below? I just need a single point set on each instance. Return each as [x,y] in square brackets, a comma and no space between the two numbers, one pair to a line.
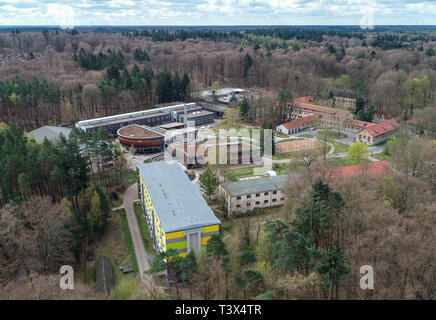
[340,147]
[382,156]
[236,174]
[114,245]
[339,162]
[132,176]
[129,242]
[143,228]
[331,135]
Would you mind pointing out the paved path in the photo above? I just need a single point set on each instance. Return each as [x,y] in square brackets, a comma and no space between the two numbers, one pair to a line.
[138,244]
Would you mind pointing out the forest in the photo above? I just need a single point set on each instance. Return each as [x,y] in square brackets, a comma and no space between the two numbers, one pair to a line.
[56,198]
[60,76]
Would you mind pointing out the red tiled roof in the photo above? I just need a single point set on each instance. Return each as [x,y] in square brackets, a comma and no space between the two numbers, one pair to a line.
[299,122]
[383,127]
[362,124]
[377,167]
[415,121]
[314,108]
[305,99]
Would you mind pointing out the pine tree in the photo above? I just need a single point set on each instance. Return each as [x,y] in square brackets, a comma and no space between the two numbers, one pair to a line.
[209,181]
[243,108]
[332,269]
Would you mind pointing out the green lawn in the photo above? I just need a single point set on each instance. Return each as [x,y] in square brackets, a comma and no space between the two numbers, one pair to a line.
[147,161]
[114,244]
[283,155]
[129,242]
[236,174]
[132,177]
[331,135]
[381,156]
[340,147]
[339,162]
[280,135]
[143,228]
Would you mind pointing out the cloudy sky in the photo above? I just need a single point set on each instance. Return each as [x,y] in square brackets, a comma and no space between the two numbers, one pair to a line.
[216,12]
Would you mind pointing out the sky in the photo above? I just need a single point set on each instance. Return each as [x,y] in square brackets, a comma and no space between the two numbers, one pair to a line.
[68,13]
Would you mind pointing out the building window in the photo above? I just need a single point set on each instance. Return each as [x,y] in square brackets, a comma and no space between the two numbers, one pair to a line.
[275,192]
[274,200]
[266,193]
[257,202]
[257,195]
[248,204]
[238,206]
[249,196]
[238,198]
[266,201]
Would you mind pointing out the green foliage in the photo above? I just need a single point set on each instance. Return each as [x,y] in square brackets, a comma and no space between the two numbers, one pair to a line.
[343,82]
[248,62]
[243,108]
[251,280]
[209,181]
[332,269]
[90,61]
[247,257]
[358,152]
[286,249]
[314,218]
[170,87]
[124,289]
[141,55]
[269,295]
[430,52]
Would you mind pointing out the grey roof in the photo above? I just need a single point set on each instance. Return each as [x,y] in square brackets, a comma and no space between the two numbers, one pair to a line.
[242,187]
[213,107]
[49,132]
[121,117]
[199,114]
[178,203]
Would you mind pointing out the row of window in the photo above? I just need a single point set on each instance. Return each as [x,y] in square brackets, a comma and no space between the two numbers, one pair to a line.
[258,202]
[257,195]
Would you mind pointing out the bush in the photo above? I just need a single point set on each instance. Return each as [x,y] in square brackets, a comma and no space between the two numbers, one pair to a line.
[124,289]
[247,257]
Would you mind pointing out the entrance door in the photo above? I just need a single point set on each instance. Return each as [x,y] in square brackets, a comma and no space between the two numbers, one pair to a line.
[194,243]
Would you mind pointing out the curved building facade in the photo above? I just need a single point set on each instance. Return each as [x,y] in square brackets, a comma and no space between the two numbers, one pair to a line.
[142,139]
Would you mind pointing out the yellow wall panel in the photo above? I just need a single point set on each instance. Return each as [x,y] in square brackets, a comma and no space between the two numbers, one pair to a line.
[173,235]
[211,228]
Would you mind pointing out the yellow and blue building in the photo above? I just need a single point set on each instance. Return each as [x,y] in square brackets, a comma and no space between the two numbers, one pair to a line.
[177,215]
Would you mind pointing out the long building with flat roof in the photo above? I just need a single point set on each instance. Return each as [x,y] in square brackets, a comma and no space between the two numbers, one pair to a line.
[178,217]
[150,117]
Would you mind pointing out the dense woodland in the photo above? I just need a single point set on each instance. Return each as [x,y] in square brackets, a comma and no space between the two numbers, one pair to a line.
[59,77]
[55,198]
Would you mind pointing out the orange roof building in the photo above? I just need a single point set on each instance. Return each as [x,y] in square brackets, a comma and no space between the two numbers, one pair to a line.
[379,132]
[327,116]
[298,124]
[370,168]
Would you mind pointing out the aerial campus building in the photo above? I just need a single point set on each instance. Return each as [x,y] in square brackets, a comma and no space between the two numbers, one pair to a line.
[245,195]
[142,138]
[150,117]
[177,215]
